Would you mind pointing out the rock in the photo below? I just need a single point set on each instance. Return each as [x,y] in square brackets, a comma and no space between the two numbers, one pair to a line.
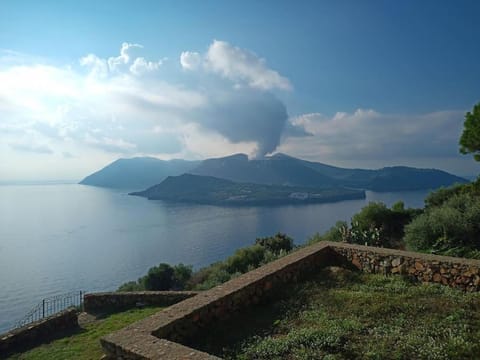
[419,266]
[437,277]
[396,262]
[356,263]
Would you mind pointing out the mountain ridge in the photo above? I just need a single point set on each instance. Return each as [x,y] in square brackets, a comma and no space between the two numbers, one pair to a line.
[278,169]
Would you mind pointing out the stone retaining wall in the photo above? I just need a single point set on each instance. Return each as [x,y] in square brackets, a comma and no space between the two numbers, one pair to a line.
[38,332]
[454,272]
[116,301]
[148,338]
[157,336]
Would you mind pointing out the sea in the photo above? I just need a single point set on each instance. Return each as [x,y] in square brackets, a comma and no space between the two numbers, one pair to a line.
[59,238]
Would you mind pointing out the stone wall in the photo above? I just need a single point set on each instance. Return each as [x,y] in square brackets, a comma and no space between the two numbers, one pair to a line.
[158,336]
[148,338]
[38,332]
[454,272]
[117,301]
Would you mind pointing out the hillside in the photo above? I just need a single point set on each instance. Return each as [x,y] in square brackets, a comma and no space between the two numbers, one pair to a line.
[137,173]
[210,190]
[279,169]
[282,169]
[273,170]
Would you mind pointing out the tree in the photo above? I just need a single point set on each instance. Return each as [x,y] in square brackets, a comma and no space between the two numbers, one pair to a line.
[470,139]
[277,243]
[181,274]
[159,278]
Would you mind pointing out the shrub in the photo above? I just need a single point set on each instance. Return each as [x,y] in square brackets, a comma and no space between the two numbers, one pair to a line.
[181,275]
[276,243]
[131,286]
[453,227]
[159,278]
[245,259]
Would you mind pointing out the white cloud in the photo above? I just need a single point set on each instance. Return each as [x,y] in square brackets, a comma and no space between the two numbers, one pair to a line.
[190,60]
[140,66]
[370,137]
[111,110]
[238,65]
[109,144]
[31,148]
[115,63]
[98,67]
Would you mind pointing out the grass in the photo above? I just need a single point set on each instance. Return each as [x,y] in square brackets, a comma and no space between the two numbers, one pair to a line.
[84,343]
[346,315]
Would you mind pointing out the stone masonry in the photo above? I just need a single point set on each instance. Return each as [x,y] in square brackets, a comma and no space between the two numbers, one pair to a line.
[159,336]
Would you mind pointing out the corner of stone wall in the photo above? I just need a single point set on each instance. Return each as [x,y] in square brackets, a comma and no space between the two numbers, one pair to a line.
[39,332]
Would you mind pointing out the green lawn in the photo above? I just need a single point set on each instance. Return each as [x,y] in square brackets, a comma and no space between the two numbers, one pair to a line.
[85,344]
[345,315]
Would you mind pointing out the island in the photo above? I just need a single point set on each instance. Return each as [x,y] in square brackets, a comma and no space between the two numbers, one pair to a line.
[215,191]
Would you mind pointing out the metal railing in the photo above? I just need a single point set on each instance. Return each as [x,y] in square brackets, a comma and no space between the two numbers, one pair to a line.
[52,305]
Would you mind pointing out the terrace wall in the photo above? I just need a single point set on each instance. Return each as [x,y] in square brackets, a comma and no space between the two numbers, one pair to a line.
[459,273]
[38,332]
[157,336]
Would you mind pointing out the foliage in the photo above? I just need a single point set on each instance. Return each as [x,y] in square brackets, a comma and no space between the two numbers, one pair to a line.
[181,274]
[161,277]
[277,243]
[85,344]
[439,196]
[380,226]
[335,233]
[451,228]
[470,139]
[243,260]
[375,225]
[179,277]
[131,286]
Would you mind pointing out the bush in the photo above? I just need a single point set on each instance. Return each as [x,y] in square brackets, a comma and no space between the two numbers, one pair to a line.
[335,233]
[179,277]
[276,243]
[245,259]
[131,286]
[378,225]
[159,278]
[375,225]
[452,228]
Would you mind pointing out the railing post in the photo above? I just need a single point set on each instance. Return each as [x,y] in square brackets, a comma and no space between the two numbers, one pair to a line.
[43,308]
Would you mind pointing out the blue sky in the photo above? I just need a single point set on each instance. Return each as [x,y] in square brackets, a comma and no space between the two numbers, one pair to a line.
[350,83]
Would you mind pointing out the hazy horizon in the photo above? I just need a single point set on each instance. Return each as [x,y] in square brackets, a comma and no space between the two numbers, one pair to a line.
[77,180]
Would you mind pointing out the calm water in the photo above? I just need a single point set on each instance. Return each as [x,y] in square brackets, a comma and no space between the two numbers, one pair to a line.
[60,238]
